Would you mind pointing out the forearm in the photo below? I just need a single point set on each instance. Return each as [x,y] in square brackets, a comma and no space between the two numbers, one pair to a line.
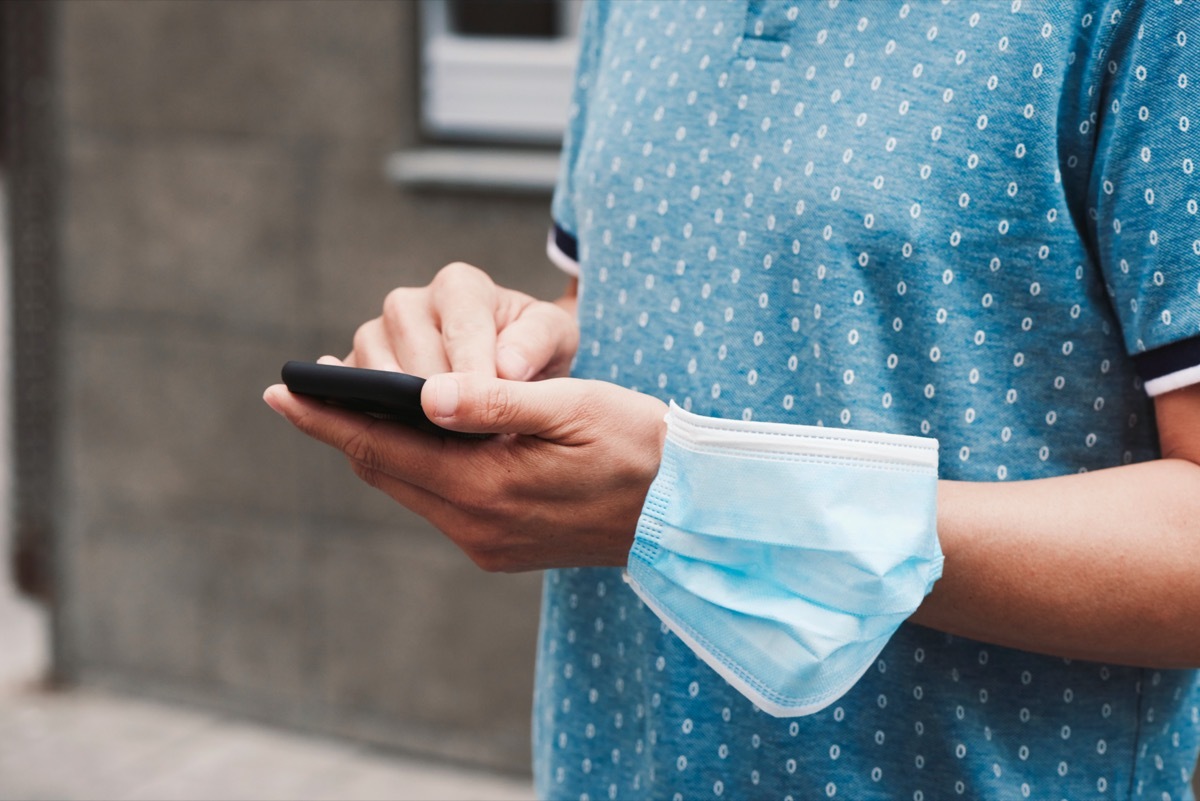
[1102,565]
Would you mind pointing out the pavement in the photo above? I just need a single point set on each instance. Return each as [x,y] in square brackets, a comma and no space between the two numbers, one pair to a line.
[89,744]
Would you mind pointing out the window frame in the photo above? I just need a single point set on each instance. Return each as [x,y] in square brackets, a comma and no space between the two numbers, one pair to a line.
[505,89]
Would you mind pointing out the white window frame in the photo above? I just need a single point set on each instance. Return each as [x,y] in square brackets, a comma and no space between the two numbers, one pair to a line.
[507,89]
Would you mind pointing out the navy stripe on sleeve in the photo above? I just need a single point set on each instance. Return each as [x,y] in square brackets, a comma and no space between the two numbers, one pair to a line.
[1169,367]
[562,249]
[566,243]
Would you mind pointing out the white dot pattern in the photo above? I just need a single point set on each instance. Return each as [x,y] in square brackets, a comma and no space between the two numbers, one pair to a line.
[959,220]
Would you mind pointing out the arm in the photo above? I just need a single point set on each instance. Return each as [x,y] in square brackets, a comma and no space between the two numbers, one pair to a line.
[1102,566]
[1099,566]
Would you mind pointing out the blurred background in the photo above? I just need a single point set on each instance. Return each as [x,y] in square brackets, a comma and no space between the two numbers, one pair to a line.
[194,193]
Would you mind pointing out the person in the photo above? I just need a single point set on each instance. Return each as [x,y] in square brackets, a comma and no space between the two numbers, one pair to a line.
[974,223]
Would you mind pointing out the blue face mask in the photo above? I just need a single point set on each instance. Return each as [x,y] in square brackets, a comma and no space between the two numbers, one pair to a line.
[785,556]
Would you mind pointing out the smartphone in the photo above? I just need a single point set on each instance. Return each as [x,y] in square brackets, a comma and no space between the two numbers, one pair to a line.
[383,394]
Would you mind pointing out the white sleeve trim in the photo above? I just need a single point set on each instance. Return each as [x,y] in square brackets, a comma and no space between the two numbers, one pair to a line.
[1171,381]
[560,259]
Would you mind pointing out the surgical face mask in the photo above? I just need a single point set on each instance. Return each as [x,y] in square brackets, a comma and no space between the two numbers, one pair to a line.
[786,556]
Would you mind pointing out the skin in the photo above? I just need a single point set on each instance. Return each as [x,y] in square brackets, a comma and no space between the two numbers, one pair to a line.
[1099,566]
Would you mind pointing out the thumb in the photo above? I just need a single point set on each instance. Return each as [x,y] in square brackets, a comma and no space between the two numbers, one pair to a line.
[479,404]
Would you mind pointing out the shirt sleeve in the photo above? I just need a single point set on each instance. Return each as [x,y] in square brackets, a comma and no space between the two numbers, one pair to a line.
[562,242]
[1145,189]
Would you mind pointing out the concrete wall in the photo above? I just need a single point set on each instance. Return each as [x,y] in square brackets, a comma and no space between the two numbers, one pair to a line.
[224,211]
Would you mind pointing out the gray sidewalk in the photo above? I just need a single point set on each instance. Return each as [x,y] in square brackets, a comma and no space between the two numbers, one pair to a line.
[88,744]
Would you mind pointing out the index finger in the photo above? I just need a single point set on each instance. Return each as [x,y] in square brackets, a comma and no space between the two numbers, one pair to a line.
[464,299]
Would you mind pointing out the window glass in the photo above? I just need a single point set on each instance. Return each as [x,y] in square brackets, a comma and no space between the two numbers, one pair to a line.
[533,19]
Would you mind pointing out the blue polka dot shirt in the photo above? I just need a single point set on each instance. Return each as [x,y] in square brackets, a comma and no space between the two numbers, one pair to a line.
[970,221]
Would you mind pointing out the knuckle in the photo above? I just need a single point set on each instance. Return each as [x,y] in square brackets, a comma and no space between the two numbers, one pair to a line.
[497,405]
[459,272]
[362,337]
[462,327]
[362,450]
[586,409]
[397,302]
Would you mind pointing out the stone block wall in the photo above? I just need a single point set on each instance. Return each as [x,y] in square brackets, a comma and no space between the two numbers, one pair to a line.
[224,210]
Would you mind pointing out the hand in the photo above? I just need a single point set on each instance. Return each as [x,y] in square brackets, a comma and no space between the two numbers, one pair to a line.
[463,322]
[560,484]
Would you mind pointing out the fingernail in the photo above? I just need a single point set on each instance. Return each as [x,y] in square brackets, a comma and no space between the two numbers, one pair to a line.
[445,395]
[512,364]
[269,399]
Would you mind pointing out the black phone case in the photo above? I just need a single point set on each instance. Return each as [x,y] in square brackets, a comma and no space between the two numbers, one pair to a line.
[383,394]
